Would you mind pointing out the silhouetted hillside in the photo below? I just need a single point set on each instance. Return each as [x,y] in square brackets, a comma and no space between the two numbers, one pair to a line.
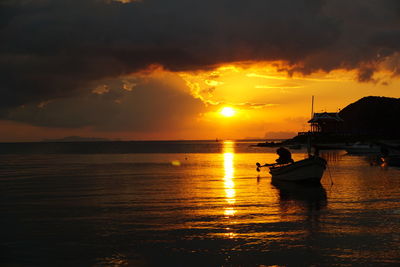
[77,139]
[373,116]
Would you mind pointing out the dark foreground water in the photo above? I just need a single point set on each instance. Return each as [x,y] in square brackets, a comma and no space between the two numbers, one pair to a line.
[202,204]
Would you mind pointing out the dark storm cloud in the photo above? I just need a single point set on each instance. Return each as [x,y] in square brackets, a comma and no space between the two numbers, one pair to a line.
[57,48]
[150,106]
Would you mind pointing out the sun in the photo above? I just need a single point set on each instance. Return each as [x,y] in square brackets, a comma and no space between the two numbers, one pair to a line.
[227,112]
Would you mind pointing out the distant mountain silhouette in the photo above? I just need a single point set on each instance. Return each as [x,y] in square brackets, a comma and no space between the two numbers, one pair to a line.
[77,139]
[373,116]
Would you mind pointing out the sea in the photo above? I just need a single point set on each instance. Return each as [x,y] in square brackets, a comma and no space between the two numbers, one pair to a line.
[191,203]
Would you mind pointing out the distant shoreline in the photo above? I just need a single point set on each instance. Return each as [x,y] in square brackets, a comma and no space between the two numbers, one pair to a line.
[115,141]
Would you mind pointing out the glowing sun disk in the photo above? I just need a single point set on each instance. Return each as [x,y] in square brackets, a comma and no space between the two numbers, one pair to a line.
[227,112]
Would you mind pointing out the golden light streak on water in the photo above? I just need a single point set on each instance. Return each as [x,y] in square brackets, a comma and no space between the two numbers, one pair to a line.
[229,212]
[229,184]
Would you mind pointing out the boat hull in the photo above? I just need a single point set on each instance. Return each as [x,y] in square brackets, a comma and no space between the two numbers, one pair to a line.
[307,170]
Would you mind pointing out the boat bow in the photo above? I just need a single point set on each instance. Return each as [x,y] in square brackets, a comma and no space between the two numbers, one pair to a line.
[310,169]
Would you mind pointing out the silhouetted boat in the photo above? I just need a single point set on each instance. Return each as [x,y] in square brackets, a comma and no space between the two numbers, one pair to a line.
[310,169]
[359,148]
[270,144]
[306,170]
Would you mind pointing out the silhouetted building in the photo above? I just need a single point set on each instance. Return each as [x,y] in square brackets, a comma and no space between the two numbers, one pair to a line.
[326,122]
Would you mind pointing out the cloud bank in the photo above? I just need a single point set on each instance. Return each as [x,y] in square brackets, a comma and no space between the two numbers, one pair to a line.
[149,106]
[57,49]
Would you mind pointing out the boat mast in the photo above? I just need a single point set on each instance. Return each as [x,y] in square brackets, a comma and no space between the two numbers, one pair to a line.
[309,137]
[312,107]
[312,113]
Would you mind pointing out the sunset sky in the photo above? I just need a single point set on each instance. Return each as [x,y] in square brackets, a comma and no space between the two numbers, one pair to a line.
[179,69]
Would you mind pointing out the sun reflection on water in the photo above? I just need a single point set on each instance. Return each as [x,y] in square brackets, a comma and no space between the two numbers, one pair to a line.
[229,184]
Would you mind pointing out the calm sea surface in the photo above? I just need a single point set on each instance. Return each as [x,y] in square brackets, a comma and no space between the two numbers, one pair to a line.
[190,204]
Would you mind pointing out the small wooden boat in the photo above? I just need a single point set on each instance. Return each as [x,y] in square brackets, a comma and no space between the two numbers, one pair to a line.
[306,170]
[310,169]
